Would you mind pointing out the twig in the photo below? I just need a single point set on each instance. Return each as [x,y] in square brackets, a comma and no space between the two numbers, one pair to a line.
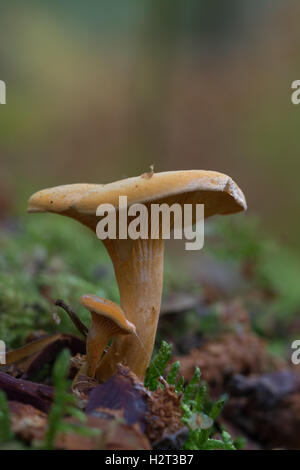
[75,319]
[163,381]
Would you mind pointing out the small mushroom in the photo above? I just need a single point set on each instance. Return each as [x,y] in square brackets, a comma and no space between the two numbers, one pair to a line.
[108,320]
[138,264]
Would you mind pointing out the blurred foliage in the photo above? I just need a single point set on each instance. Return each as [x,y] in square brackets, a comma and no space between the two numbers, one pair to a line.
[64,404]
[41,261]
[5,430]
[98,93]
[271,273]
[269,265]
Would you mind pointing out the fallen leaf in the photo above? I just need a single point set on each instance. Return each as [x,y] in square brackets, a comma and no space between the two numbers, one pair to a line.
[27,422]
[124,392]
[114,435]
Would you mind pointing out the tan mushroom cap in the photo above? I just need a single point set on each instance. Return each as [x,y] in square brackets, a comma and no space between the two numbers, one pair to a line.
[58,198]
[107,309]
[217,191]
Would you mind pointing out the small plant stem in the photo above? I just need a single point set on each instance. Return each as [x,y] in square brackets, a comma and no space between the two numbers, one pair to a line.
[75,319]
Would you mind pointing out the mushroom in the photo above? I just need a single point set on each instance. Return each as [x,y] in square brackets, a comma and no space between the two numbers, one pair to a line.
[108,320]
[138,264]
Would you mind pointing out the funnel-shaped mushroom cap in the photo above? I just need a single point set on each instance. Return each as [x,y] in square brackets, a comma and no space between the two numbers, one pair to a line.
[218,192]
[107,309]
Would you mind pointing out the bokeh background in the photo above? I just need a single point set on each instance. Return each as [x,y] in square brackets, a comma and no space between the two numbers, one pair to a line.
[98,91]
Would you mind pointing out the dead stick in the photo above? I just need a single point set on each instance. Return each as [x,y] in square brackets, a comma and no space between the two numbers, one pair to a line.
[75,319]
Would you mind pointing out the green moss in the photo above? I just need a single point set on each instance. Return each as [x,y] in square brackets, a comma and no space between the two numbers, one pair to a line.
[199,412]
[157,366]
[41,260]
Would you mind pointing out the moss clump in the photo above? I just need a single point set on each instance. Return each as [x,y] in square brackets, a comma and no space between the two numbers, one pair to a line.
[198,411]
[43,259]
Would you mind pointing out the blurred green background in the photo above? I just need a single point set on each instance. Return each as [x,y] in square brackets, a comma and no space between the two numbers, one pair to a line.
[97,91]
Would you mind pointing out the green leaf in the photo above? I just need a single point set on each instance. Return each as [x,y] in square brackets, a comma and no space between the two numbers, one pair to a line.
[158,366]
[192,387]
[173,373]
[217,408]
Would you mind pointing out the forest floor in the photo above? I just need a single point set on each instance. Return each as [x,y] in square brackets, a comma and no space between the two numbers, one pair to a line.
[221,376]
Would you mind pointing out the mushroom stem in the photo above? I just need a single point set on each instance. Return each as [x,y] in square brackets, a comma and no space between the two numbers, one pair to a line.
[138,266]
[100,332]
